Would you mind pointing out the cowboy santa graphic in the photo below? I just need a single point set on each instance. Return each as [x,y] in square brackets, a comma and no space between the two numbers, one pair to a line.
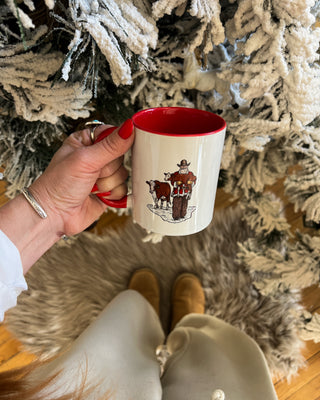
[182,181]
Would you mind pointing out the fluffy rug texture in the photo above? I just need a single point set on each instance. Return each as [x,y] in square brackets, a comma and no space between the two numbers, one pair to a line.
[74,281]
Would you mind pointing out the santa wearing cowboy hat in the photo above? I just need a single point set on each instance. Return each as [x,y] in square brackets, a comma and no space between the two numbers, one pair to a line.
[182,182]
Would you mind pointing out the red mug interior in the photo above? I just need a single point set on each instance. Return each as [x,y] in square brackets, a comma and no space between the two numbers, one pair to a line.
[174,121]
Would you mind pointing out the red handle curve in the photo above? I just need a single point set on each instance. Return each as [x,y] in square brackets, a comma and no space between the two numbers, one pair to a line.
[122,203]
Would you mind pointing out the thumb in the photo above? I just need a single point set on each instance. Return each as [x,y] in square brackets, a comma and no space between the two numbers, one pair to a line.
[114,143]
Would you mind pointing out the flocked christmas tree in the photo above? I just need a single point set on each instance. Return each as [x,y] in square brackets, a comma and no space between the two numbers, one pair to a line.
[255,62]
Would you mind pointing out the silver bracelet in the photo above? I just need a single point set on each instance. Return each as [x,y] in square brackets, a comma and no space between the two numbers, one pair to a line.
[33,202]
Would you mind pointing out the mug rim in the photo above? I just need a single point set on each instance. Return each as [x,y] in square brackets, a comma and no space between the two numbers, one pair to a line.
[220,122]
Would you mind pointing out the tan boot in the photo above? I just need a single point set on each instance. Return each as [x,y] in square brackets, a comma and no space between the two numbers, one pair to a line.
[187,297]
[146,283]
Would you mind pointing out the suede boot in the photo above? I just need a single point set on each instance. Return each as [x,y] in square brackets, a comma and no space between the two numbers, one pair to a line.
[187,297]
[146,283]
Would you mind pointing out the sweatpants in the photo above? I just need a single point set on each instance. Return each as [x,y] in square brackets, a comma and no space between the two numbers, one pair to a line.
[116,355]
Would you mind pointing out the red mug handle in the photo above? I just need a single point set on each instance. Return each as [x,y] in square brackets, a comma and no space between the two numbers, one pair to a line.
[122,203]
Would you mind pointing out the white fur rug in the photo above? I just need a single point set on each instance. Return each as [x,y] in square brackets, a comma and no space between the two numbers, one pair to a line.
[74,281]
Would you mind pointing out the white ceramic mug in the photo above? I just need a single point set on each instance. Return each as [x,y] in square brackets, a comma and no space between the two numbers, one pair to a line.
[176,159]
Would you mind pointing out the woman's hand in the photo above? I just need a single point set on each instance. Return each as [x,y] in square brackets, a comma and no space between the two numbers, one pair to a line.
[64,192]
[64,189]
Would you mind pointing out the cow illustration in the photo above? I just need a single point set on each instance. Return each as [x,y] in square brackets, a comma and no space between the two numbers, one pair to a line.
[160,191]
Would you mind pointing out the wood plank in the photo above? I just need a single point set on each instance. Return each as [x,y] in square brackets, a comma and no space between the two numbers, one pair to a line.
[311,298]
[4,334]
[310,350]
[224,200]
[310,391]
[109,220]
[285,390]
[3,198]
[17,361]
[9,349]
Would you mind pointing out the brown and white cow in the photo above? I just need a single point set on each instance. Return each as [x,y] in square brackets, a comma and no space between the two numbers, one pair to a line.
[160,191]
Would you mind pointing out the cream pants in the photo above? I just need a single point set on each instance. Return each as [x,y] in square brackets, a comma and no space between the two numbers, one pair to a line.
[118,354]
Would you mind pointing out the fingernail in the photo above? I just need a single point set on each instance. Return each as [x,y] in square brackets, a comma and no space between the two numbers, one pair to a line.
[95,188]
[105,133]
[126,129]
[104,194]
[117,203]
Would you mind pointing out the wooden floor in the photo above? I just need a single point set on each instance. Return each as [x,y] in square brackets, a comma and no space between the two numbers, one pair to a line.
[306,386]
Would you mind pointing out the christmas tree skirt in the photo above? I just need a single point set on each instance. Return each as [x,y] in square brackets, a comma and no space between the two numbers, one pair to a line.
[74,281]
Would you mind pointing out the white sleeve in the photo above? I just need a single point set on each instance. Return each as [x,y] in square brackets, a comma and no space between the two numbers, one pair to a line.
[12,281]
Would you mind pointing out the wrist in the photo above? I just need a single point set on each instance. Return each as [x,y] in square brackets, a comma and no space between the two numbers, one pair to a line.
[43,198]
[31,234]
[33,202]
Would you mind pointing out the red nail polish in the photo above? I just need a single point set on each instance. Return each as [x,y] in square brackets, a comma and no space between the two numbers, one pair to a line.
[105,133]
[104,194]
[122,203]
[117,203]
[126,129]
